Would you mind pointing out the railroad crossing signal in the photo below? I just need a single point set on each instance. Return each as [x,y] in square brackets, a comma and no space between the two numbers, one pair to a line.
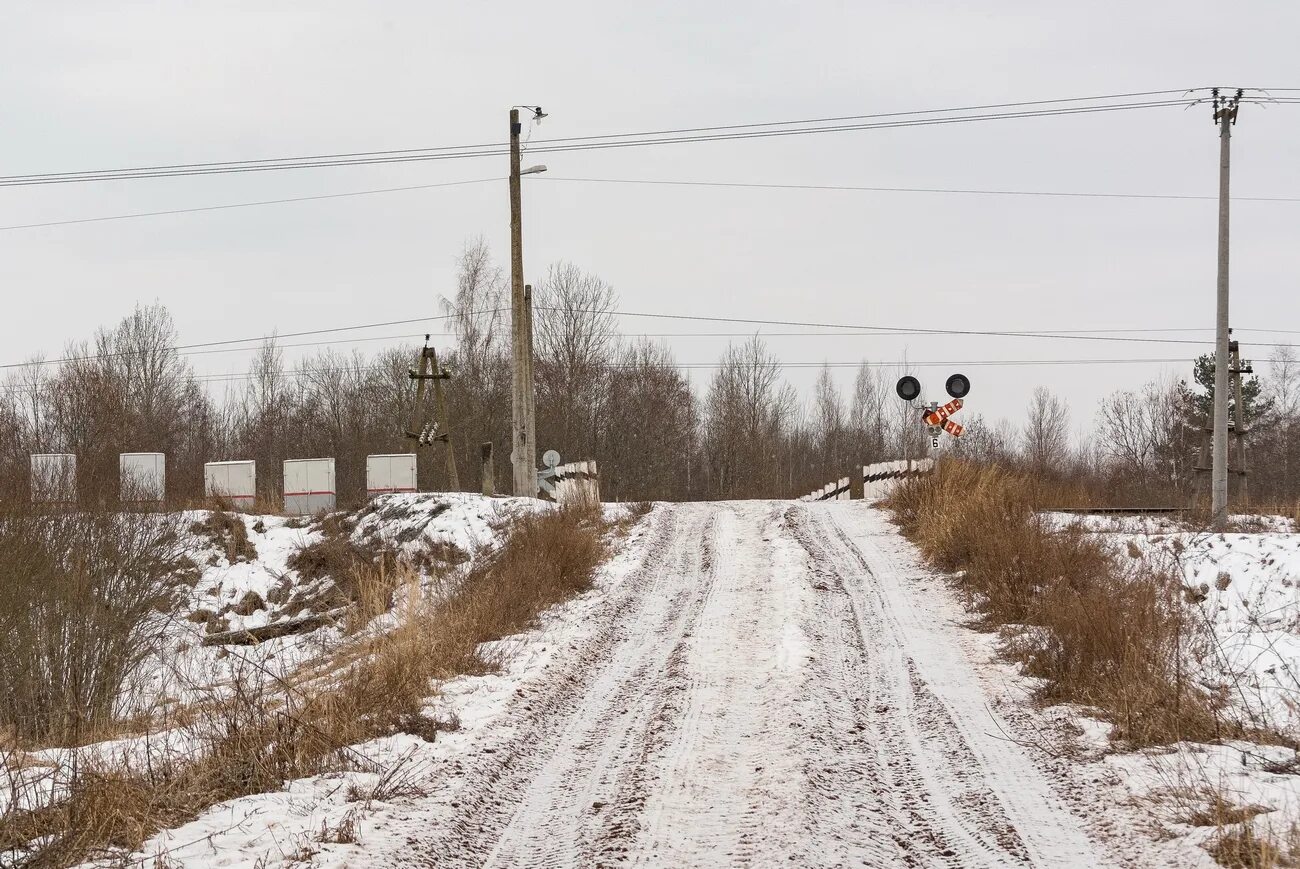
[933,415]
[939,414]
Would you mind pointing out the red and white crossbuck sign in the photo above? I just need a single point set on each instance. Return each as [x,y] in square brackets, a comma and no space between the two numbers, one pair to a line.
[938,415]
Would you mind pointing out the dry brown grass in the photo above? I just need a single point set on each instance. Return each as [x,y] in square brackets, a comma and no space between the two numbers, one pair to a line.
[1240,847]
[269,731]
[227,531]
[1107,632]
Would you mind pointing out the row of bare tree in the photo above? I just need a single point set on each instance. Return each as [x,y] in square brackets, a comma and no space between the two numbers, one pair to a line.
[625,403]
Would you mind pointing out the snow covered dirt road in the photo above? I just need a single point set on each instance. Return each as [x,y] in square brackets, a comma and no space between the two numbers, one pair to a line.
[767,687]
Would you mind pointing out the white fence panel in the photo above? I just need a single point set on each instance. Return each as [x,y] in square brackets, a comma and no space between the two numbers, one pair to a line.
[879,480]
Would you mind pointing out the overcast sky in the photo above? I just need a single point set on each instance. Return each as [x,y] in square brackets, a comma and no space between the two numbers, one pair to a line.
[112,84]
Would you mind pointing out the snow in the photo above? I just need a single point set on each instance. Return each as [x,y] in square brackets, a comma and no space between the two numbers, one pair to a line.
[754,683]
[288,825]
[183,671]
[1245,584]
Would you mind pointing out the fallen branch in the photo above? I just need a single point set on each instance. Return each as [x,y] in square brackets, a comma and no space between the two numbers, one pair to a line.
[253,636]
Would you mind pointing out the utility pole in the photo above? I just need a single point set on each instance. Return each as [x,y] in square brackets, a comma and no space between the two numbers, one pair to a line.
[1239,429]
[521,462]
[530,394]
[440,405]
[1225,116]
[425,433]
[523,403]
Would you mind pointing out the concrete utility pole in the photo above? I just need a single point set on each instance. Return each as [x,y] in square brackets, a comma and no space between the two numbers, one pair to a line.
[1225,115]
[522,458]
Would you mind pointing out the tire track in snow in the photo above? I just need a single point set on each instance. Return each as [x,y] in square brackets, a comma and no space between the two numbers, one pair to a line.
[982,783]
[592,711]
[920,816]
[723,792]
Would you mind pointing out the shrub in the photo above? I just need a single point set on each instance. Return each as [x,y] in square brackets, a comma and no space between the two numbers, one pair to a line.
[80,593]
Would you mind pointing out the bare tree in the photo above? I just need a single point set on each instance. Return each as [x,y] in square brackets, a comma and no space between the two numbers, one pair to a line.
[1046,435]
[745,414]
[828,416]
[867,412]
[575,339]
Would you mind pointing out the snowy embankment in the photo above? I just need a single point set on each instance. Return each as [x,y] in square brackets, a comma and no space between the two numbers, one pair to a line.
[248,583]
[1243,587]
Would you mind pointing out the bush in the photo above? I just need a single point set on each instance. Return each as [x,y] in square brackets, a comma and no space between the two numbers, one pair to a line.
[80,594]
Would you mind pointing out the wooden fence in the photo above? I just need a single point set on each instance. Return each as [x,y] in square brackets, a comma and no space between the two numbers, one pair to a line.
[577,484]
[878,481]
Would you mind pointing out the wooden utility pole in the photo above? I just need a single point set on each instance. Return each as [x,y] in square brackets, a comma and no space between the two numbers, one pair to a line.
[425,433]
[523,443]
[1225,116]
[444,422]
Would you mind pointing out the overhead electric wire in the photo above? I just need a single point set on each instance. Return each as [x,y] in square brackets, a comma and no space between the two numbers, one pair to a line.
[871,189]
[256,343]
[245,204]
[261,338]
[845,334]
[680,130]
[999,333]
[692,366]
[651,182]
[589,143]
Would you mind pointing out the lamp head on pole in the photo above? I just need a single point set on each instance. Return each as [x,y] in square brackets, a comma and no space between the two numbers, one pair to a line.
[538,114]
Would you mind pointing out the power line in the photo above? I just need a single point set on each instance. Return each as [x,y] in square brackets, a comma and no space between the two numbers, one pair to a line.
[823,334]
[655,182]
[137,214]
[261,338]
[605,136]
[304,372]
[257,343]
[551,146]
[913,329]
[868,189]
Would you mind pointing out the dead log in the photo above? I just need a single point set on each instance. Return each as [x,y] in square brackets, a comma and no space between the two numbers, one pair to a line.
[253,636]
